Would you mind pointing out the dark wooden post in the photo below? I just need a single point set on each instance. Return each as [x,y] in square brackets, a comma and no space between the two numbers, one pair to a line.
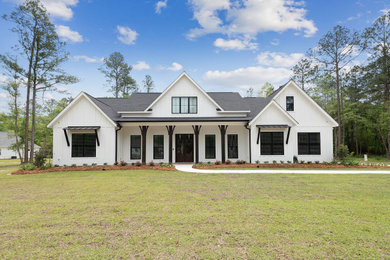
[222,129]
[170,129]
[196,132]
[144,130]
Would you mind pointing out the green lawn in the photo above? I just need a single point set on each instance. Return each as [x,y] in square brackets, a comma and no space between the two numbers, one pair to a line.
[9,162]
[152,214]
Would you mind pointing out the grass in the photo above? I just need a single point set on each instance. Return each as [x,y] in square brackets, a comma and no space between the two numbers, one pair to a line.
[374,159]
[9,162]
[152,214]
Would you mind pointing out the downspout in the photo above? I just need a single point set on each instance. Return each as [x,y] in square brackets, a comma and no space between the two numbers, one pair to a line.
[250,142]
[116,142]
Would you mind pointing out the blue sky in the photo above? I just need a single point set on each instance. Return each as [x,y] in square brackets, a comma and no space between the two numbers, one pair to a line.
[225,45]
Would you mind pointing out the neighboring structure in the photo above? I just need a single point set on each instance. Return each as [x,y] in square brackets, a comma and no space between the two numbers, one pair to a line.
[186,124]
[6,141]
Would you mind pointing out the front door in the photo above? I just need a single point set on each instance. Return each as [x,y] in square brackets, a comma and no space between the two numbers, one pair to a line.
[184,147]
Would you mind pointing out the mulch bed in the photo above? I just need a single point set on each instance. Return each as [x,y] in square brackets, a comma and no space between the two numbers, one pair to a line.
[96,168]
[279,165]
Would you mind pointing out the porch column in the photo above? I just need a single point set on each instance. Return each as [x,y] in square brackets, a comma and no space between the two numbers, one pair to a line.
[196,132]
[144,130]
[222,129]
[170,130]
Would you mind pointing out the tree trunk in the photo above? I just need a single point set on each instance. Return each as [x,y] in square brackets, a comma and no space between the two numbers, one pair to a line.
[16,128]
[27,115]
[356,138]
[342,117]
[338,105]
[33,112]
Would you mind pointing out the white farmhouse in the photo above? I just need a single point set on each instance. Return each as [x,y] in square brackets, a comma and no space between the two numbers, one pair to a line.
[186,124]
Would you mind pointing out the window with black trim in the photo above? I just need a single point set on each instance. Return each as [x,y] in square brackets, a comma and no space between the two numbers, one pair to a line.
[158,147]
[233,146]
[290,103]
[184,105]
[135,147]
[309,143]
[210,146]
[272,143]
[83,145]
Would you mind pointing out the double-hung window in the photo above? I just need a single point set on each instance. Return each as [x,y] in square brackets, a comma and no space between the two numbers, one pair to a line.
[83,145]
[233,146]
[184,105]
[290,103]
[210,146]
[135,147]
[309,143]
[158,147]
[272,143]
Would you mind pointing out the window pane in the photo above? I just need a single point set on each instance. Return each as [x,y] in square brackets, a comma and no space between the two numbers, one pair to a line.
[233,146]
[210,146]
[175,105]
[193,105]
[290,103]
[272,143]
[309,143]
[135,147]
[83,145]
[158,147]
[184,105]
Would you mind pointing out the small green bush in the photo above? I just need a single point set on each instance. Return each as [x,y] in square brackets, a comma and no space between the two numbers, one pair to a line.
[257,162]
[73,165]
[289,162]
[151,163]
[28,167]
[342,152]
[94,164]
[317,162]
[105,164]
[138,163]
[39,158]
[217,162]
[123,163]
[56,165]
[309,162]
[281,162]
[116,163]
[274,161]
[85,164]
[301,162]
[228,162]
[64,166]
[266,162]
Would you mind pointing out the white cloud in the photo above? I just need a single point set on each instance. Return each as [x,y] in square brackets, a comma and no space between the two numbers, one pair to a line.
[275,42]
[161,5]
[127,35]
[235,44]
[67,34]
[3,79]
[60,8]
[385,11]
[279,59]
[247,77]
[3,96]
[174,67]
[249,17]
[87,59]
[141,65]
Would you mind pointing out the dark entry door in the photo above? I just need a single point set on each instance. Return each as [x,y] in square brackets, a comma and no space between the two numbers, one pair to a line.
[184,148]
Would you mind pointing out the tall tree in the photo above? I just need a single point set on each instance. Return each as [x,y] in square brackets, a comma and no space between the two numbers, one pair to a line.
[26,18]
[304,72]
[117,73]
[335,50]
[266,90]
[148,83]
[12,87]
[377,42]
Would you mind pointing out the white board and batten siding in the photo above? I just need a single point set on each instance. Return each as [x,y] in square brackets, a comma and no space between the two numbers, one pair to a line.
[83,113]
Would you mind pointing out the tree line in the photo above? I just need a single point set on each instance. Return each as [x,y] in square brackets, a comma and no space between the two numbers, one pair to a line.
[34,65]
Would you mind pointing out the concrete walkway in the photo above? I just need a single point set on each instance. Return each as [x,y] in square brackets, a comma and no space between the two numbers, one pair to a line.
[188,168]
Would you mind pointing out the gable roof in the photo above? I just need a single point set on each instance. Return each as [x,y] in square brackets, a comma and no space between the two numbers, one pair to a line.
[183,74]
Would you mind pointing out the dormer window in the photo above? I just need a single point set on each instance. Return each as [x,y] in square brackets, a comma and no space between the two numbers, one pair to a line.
[290,103]
[184,105]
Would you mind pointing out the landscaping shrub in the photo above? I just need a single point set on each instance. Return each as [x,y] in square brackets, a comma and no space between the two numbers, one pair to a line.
[85,164]
[289,162]
[317,162]
[217,162]
[94,164]
[56,165]
[342,152]
[116,163]
[228,162]
[257,162]
[151,163]
[73,165]
[308,162]
[28,167]
[138,163]
[40,158]
[266,162]
[105,164]
[123,163]
[274,161]
[281,162]
[301,162]
[64,166]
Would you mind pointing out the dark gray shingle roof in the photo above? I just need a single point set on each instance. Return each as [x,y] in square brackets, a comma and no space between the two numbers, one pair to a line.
[138,102]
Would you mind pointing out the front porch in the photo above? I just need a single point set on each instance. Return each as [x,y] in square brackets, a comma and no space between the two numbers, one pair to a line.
[175,142]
